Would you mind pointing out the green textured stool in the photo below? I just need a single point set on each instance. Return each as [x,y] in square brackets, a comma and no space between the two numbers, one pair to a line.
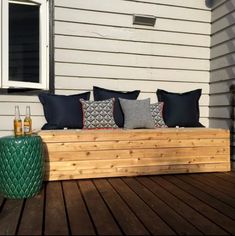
[21,166]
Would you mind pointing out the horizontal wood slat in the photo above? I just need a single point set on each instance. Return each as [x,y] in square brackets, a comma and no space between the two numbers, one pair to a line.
[138,144]
[133,7]
[105,153]
[135,134]
[137,171]
[126,20]
[143,48]
[132,34]
[160,153]
[117,59]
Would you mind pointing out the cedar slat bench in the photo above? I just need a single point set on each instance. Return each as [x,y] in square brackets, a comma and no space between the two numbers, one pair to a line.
[78,154]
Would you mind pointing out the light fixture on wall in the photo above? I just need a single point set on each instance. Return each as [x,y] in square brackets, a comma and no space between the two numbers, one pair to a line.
[147,20]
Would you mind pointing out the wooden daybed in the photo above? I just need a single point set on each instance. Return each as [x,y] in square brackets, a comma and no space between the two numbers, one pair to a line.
[78,154]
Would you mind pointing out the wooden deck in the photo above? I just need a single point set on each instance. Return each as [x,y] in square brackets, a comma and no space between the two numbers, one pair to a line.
[192,204]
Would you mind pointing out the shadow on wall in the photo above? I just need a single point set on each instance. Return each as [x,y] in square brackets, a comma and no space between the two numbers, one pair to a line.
[209,3]
[222,76]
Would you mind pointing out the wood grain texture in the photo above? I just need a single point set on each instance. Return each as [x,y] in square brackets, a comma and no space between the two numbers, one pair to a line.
[186,204]
[32,218]
[75,154]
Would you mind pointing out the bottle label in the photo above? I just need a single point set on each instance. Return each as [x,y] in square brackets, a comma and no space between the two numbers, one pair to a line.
[27,127]
[18,127]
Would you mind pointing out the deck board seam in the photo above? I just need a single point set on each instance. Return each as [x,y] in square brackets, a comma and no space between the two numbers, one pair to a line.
[167,203]
[129,207]
[194,208]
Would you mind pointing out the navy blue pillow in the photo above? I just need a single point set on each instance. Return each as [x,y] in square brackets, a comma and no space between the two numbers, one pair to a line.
[103,94]
[63,111]
[180,109]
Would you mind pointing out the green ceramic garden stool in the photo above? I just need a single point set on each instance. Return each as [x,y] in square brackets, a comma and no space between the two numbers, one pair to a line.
[21,166]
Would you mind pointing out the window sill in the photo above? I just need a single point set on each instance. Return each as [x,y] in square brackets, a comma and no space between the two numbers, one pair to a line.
[23,91]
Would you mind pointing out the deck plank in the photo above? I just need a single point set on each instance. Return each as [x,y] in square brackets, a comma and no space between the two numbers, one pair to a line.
[79,220]
[127,220]
[55,215]
[226,177]
[10,216]
[230,173]
[174,220]
[185,210]
[222,182]
[32,217]
[1,202]
[186,204]
[212,214]
[150,219]
[210,189]
[194,190]
[220,186]
[102,218]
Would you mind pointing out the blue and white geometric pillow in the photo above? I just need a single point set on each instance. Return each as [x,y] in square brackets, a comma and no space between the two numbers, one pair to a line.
[156,111]
[98,114]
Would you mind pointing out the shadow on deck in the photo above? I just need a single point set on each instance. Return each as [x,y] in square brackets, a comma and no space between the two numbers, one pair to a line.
[192,204]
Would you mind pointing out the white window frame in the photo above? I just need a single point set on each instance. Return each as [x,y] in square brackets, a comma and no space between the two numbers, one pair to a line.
[43,42]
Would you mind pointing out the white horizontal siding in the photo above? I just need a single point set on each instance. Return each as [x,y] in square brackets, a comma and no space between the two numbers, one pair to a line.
[223,36]
[129,60]
[223,61]
[221,123]
[126,20]
[223,49]
[220,112]
[129,73]
[223,23]
[204,100]
[133,7]
[131,34]
[222,74]
[21,98]
[96,44]
[220,87]
[130,47]
[224,8]
[7,110]
[7,122]
[145,86]
[217,3]
[220,100]
[222,64]
[180,3]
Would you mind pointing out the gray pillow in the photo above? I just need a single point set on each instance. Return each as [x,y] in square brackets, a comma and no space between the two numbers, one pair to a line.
[137,113]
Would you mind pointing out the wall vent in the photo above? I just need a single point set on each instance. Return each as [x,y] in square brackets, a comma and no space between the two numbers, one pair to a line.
[144,20]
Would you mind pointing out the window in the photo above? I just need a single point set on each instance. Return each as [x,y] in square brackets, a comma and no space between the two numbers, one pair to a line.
[24,40]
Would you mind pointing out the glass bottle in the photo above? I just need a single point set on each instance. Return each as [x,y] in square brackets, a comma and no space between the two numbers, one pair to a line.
[17,122]
[27,122]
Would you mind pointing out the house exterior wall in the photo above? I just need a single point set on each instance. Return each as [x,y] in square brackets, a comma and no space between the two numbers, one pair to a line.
[97,44]
[222,64]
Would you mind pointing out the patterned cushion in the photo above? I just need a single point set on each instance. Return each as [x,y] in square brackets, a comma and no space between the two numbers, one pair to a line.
[156,111]
[98,114]
[101,94]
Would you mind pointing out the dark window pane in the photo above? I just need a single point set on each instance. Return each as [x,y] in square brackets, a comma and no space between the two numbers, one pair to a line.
[23,43]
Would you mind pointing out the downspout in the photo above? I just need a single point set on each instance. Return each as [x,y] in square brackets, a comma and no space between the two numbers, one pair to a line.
[232,128]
